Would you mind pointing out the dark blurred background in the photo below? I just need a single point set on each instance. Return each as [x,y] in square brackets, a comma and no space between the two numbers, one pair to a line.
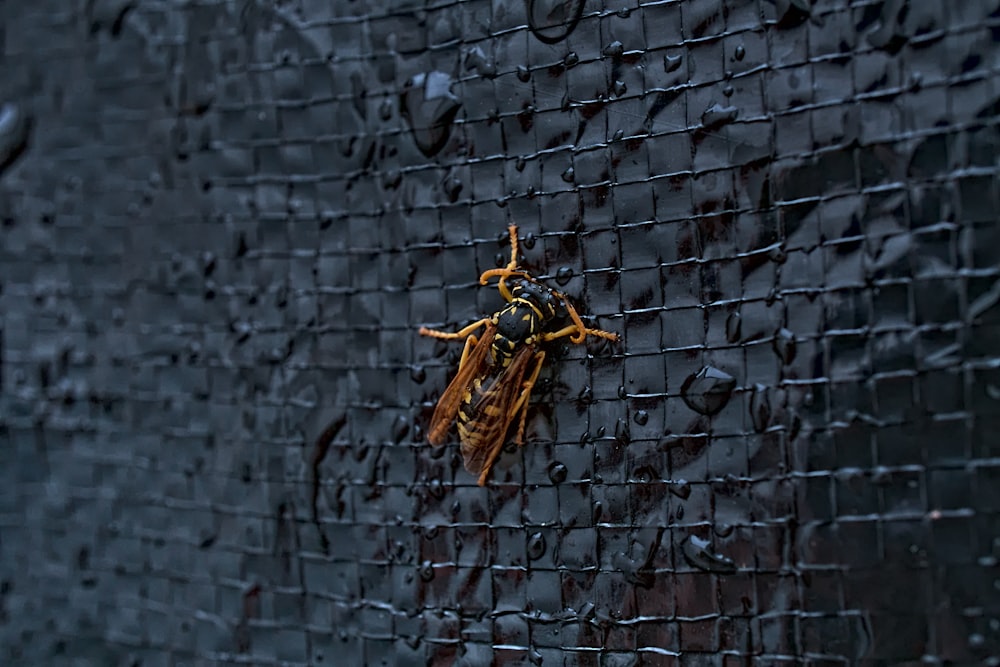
[224,221]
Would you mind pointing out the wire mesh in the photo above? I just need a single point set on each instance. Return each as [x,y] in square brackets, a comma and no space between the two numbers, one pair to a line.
[224,222]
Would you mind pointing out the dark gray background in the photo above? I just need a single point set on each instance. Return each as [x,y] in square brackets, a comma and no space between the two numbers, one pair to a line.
[224,222]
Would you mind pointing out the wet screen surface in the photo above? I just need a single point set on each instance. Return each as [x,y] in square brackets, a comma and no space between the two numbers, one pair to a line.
[224,223]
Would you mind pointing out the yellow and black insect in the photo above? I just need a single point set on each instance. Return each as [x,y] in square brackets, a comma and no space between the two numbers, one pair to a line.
[499,367]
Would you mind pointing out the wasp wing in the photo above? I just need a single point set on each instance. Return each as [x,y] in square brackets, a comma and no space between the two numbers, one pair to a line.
[484,429]
[451,399]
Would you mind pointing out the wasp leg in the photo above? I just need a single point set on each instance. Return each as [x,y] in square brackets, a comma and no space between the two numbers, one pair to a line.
[522,400]
[507,271]
[580,332]
[463,333]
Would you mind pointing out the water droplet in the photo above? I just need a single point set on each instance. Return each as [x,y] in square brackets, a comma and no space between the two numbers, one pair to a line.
[413,641]
[436,488]
[734,324]
[641,417]
[564,275]
[778,254]
[718,115]
[426,570]
[740,53]
[728,91]
[429,108]
[619,88]
[724,529]
[15,128]
[618,135]
[680,488]
[624,12]
[476,59]
[601,431]
[536,546]
[622,392]
[623,435]
[708,390]
[385,110]
[569,175]
[700,554]
[671,63]
[760,407]
[976,641]
[452,188]
[519,163]
[614,50]
[645,474]
[400,429]
[557,472]
[792,12]
[784,345]
[679,514]
[586,395]
[523,74]
[597,512]
[571,59]
[552,21]
[431,532]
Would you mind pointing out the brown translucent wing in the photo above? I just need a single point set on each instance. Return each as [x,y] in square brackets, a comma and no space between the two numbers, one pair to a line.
[451,399]
[484,433]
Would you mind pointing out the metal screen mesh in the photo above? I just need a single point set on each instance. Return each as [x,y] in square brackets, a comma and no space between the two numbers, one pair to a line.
[223,223]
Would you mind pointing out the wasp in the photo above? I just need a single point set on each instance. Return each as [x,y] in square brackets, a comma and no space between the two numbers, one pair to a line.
[499,367]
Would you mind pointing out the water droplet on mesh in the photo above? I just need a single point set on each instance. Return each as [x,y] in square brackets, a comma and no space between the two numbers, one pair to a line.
[385,110]
[429,108]
[452,188]
[624,12]
[400,429]
[597,511]
[679,514]
[700,554]
[718,115]
[680,488]
[426,570]
[760,407]
[740,52]
[614,50]
[571,59]
[519,163]
[557,472]
[778,254]
[623,434]
[724,529]
[552,21]
[536,546]
[436,488]
[523,74]
[476,59]
[728,91]
[569,175]
[734,324]
[708,390]
[619,88]
[586,395]
[671,63]
[500,259]
[619,135]
[564,275]
[413,641]
[641,417]
[784,345]
[622,392]
[976,640]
